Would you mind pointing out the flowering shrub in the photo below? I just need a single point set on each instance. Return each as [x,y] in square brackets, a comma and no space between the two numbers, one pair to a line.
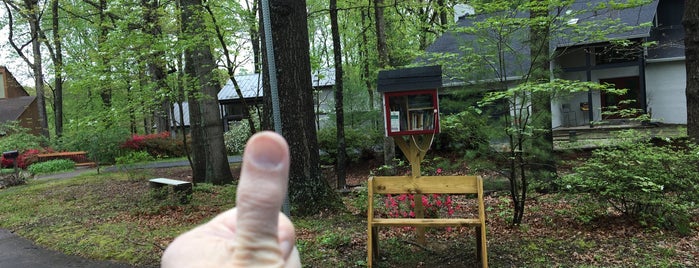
[136,142]
[236,138]
[403,206]
[6,163]
[157,145]
[27,158]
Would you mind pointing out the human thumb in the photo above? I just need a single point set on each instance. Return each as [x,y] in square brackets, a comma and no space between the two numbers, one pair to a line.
[262,187]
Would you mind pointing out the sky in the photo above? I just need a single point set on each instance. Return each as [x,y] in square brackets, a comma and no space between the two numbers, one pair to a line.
[19,69]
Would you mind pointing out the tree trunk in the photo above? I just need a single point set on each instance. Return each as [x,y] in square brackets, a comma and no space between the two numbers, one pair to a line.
[156,63]
[341,161]
[254,33]
[200,65]
[38,67]
[309,193]
[544,164]
[690,21]
[366,73]
[381,45]
[230,68]
[58,71]
[106,87]
[389,145]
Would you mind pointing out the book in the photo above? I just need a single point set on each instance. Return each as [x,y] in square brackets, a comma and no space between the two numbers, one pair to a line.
[395,121]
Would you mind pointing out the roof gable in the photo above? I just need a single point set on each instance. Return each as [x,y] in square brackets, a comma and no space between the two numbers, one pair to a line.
[11,109]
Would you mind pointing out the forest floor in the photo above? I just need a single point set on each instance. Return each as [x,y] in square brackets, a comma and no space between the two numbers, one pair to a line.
[112,216]
[551,235]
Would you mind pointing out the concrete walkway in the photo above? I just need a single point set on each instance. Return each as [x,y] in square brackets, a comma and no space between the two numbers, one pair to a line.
[19,252]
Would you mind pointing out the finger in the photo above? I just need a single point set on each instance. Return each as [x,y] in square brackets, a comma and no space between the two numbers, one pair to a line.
[224,227]
[262,187]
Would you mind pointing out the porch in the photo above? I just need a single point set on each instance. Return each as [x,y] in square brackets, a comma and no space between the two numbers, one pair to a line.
[604,134]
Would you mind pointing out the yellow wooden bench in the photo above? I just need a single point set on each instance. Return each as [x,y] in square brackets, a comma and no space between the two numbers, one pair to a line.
[426,185]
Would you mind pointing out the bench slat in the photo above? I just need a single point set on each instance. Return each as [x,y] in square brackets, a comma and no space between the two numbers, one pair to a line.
[169,181]
[61,154]
[425,184]
[427,222]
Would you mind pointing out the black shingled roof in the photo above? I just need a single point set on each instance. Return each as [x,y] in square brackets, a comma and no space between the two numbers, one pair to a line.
[11,109]
[517,60]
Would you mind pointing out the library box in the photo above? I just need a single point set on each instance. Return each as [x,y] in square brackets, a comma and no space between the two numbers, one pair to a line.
[410,102]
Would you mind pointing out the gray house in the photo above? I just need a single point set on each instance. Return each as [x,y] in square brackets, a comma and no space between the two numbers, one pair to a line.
[654,75]
[233,109]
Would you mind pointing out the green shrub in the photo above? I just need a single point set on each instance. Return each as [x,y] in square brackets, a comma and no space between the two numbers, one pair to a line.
[101,143]
[463,132]
[361,142]
[51,166]
[15,137]
[657,185]
[134,157]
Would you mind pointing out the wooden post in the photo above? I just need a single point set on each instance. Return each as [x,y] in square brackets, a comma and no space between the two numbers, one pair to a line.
[415,149]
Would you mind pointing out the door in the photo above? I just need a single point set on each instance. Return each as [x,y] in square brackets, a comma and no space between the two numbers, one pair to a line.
[627,105]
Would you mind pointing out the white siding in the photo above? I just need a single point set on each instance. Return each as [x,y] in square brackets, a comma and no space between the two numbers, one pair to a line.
[665,91]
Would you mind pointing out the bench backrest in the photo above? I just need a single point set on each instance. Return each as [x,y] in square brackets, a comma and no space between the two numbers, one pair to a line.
[426,185]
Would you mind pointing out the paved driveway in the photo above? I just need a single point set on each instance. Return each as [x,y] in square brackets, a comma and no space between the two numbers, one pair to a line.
[18,252]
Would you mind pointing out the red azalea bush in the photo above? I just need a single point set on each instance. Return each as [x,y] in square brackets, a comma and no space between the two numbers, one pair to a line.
[27,158]
[403,206]
[157,145]
[6,163]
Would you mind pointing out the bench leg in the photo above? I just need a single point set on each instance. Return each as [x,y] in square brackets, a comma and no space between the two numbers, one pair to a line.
[157,191]
[372,245]
[183,193]
[481,247]
[375,241]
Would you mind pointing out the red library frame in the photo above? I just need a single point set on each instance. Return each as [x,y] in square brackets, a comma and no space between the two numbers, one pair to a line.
[411,112]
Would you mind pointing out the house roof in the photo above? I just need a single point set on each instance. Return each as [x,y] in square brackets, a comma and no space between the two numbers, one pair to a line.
[454,43]
[11,109]
[251,87]
[251,84]
[516,56]
[639,19]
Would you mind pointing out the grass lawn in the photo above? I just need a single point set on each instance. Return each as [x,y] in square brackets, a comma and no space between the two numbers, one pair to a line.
[113,216]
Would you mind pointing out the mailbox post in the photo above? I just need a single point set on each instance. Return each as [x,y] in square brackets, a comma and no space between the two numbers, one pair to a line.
[411,116]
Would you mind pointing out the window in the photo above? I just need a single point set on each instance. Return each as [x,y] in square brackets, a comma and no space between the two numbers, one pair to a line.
[2,86]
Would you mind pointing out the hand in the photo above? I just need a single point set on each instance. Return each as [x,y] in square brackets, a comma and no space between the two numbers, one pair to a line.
[255,233]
